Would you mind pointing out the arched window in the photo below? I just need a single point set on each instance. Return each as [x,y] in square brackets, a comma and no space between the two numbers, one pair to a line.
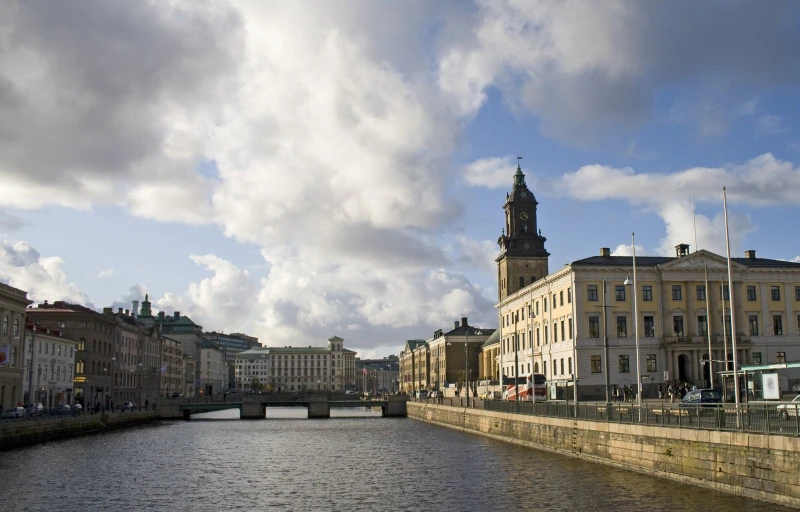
[79,367]
[16,327]
[5,325]
[94,349]
[521,282]
[82,344]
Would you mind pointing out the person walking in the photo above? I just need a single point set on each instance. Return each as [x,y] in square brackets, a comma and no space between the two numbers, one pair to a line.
[660,391]
[671,393]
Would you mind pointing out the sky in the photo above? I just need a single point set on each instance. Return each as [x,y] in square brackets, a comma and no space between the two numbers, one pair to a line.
[298,170]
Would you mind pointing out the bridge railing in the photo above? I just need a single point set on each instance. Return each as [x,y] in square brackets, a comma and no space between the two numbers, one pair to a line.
[756,418]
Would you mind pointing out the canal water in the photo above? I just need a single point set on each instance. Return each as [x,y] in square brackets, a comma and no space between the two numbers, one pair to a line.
[357,461]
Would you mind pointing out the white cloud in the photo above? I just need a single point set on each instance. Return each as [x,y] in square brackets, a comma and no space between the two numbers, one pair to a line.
[769,124]
[103,274]
[489,172]
[627,250]
[796,259]
[21,266]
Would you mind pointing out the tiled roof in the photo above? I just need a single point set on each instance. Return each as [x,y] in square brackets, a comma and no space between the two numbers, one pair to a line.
[493,339]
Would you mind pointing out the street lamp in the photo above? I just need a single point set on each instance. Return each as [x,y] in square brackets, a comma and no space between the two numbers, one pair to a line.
[466,362]
[33,365]
[113,378]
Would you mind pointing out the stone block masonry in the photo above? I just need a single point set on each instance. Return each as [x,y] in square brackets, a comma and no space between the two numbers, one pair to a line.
[19,433]
[757,466]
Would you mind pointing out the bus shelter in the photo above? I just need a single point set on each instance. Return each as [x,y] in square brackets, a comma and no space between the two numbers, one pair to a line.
[757,382]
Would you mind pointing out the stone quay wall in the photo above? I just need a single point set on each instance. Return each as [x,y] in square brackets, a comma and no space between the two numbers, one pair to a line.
[757,466]
[25,432]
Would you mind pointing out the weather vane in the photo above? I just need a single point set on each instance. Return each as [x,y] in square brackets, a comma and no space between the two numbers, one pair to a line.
[518,159]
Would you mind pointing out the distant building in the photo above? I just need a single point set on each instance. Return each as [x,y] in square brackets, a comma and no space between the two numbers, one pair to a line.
[407,366]
[230,345]
[172,368]
[377,375]
[330,368]
[213,373]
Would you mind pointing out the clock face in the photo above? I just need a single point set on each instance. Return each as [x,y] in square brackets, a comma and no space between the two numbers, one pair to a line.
[523,215]
[523,194]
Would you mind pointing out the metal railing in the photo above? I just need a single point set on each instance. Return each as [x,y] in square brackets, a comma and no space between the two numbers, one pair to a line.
[781,419]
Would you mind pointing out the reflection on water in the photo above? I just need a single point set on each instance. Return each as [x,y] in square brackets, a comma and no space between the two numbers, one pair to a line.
[343,463]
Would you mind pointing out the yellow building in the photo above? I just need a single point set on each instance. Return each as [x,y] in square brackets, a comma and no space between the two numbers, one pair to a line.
[12,323]
[577,323]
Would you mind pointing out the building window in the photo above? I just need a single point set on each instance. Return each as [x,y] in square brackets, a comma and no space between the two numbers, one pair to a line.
[521,282]
[728,325]
[569,363]
[544,304]
[756,357]
[569,295]
[594,326]
[562,366]
[702,325]
[751,293]
[753,320]
[624,364]
[725,293]
[5,324]
[555,332]
[546,334]
[592,292]
[777,325]
[570,328]
[562,330]
[619,292]
[780,357]
[700,290]
[647,293]
[596,364]
[537,336]
[677,325]
[775,291]
[561,297]
[797,293]
[649,327]
[622,327]
[651,363]
[676,292]
[16,326]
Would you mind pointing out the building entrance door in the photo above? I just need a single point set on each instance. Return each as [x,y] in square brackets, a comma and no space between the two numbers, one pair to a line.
[683,368]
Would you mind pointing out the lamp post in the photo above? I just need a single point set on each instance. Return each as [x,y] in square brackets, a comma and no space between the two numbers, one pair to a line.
[636,328]
[113,378]
[33,365]
[516,358]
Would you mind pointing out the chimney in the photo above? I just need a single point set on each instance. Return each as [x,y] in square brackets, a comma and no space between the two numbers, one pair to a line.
[464,321]
[605,252]
[135,309]
[177,315]
[161,315]
[127,312]
[456,324]
[119,310]
[751,254]
[108,311]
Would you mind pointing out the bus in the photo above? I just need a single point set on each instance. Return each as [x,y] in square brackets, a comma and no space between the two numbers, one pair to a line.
[529,389]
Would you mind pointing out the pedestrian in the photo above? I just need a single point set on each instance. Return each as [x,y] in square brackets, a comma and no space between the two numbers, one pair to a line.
[671,393]
[660,391]
[614,393]
[619,394]
[146,404]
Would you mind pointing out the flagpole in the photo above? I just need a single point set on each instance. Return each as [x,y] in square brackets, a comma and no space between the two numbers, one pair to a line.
[733,312]
[636,329]
[708,303]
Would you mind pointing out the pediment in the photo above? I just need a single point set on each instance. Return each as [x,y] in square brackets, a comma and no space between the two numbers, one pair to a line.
[697,260]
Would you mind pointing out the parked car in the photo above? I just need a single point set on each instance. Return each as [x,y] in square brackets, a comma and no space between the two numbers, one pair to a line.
[701,398]
[177,395]
[349,392]
[77,406]
[789,410]
[128,406]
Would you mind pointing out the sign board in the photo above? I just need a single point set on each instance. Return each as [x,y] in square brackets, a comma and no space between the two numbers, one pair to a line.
[769,383]
[79,379]
[666,375]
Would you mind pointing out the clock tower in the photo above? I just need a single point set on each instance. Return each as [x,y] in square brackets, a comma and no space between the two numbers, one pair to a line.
[523,258]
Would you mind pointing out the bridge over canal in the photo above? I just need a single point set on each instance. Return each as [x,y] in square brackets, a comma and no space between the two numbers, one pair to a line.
[255,406]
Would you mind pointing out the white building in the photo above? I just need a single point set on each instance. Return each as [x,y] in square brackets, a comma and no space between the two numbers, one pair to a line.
[330,368]
[54,366]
